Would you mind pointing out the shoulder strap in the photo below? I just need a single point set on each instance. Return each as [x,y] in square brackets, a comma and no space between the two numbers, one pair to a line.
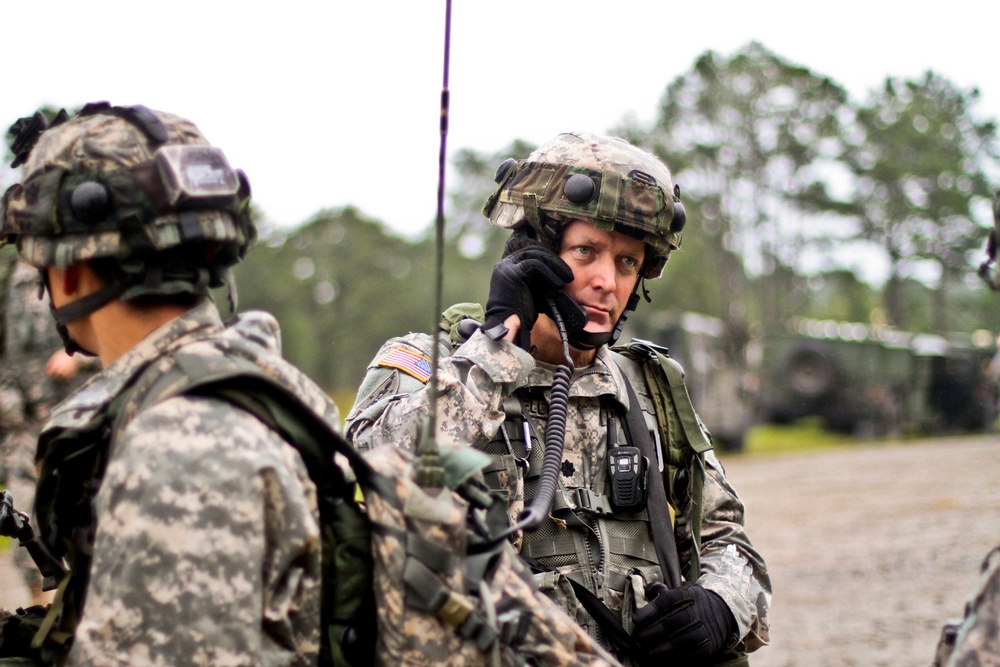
[670,381]
[659,522]
[665,378]
[241,382]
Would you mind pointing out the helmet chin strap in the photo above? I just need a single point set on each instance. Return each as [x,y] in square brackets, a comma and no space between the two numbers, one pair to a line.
[591,340]
[81,308]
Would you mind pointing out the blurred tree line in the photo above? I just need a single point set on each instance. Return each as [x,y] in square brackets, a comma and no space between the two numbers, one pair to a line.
[801,202]
[342,284]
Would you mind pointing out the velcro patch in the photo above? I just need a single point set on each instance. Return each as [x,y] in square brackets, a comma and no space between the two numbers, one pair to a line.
[408,361]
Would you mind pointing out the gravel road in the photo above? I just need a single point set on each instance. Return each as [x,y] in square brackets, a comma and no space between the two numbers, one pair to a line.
[871,547]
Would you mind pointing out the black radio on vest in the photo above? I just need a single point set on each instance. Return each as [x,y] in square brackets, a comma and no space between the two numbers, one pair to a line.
[627,471]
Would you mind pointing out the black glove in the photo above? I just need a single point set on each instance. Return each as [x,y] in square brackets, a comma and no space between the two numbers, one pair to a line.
[526,274]
[682,625]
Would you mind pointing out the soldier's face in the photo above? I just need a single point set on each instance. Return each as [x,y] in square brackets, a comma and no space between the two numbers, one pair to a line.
[605,268]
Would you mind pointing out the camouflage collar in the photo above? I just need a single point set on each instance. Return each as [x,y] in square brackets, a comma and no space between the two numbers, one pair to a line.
[602,378]
[93,398]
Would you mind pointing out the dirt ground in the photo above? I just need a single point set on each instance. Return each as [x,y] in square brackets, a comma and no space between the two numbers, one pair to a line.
[871,548]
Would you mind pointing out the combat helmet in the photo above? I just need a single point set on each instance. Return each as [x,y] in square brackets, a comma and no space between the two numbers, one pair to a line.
[139,188]
[604,180]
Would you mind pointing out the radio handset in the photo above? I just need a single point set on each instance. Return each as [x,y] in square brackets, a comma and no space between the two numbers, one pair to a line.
[555,428]
[573,315]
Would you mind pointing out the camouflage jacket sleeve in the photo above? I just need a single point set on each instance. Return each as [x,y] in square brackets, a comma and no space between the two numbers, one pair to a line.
[730,565]
[207,545]
[392,403]
[978,642]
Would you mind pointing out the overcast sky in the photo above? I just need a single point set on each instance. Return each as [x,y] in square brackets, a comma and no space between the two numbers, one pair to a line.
[331,103]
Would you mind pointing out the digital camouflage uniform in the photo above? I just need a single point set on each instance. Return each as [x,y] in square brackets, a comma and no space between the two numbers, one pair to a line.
[206,548]
[475,381]
[975,641]
[27,393]
[192,531]
[189,529]
[496,397]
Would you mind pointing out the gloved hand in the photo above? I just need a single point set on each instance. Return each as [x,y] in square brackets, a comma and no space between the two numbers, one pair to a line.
[682,625]
[524,276]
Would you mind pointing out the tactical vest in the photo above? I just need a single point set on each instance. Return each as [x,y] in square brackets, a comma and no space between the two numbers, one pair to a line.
[609,553]
[446,594]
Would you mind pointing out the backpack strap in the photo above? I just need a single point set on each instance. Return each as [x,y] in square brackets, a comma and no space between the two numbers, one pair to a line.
[236,379]
[665,379]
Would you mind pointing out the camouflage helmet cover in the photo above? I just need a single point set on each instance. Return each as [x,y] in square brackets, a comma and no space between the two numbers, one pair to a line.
[52,214]
[604,180]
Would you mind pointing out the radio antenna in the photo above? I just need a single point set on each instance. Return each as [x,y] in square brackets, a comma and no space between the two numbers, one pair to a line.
[428,472]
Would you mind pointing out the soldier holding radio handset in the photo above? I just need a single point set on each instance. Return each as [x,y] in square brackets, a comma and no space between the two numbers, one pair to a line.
[644,543]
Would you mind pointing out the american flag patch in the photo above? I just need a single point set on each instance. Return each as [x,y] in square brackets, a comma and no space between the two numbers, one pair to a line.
[409,362]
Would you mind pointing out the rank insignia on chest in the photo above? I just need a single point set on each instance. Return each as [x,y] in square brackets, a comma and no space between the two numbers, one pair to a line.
[410,362]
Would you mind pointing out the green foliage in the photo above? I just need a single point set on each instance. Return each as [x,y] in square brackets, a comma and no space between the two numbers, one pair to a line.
[753,140]
[792,185]
[320,282]
[341,285]
[921,164]
[839,295]
[796,196]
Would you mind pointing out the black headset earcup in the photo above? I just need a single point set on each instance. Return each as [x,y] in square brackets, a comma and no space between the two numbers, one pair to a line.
[90,202]
[680,218]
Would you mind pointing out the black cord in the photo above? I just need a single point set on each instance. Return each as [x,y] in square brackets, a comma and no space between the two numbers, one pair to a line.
[555,437]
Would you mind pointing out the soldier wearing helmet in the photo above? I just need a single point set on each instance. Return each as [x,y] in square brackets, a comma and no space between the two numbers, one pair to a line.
[648,552]
[186,529]
[974,640]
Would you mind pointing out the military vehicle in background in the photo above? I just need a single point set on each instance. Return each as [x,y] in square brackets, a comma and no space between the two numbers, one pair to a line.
[874,382]
[713,357]
[857,379]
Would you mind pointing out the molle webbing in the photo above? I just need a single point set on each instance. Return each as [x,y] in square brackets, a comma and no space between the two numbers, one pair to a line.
[429,569]
[585,519]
